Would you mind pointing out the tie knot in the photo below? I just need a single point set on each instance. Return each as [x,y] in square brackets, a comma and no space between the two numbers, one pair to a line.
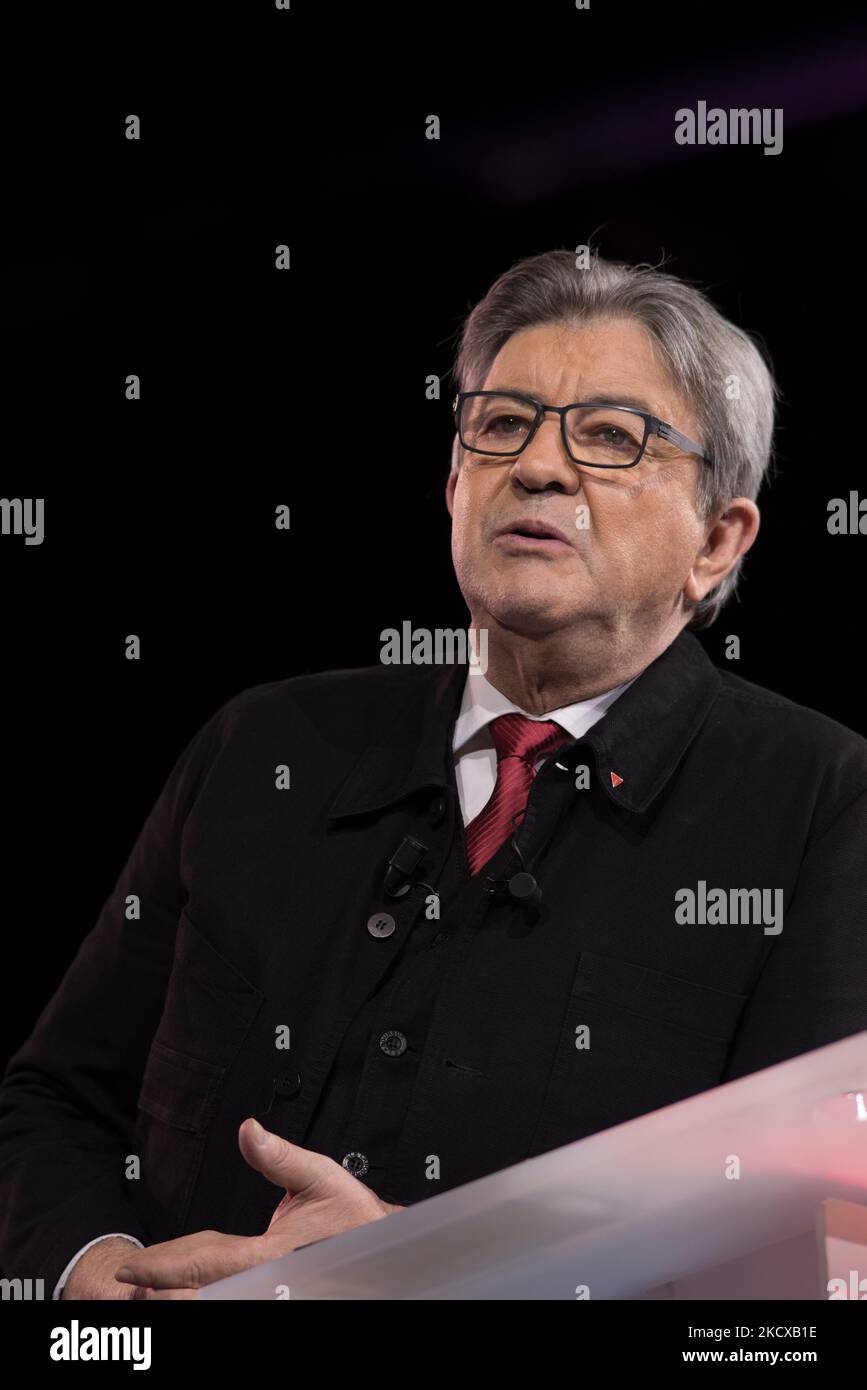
[516,736]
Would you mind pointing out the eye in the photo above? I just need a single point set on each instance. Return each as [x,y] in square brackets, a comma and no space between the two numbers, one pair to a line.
[505,424]
[614,435]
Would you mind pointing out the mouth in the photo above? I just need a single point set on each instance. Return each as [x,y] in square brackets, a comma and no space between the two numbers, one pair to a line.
[529,536]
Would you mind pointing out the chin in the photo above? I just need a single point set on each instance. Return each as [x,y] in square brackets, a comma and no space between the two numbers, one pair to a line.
[529,614]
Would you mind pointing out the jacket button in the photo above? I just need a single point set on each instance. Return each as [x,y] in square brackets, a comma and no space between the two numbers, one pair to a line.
[287,1084]
[381,924]
[392,1043]
[437,810]
[356,1163]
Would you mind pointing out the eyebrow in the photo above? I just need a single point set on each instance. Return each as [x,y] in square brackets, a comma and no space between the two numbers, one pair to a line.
[604,397]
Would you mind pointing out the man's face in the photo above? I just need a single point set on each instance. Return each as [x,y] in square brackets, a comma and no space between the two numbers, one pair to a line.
[640,531]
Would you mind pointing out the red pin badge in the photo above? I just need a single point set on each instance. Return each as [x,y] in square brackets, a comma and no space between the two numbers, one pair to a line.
[615,780]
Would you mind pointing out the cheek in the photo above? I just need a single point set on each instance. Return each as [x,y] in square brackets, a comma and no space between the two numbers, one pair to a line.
[684,533]
[654,533]
[459,507]
[458,517]
[467,510]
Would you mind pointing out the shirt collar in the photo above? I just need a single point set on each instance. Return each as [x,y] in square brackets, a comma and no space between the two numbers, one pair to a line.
[482,703]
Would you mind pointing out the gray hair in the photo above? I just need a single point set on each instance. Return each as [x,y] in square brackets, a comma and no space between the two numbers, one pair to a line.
[715,365]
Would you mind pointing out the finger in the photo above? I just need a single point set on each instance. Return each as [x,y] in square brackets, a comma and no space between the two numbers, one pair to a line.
[287,1165]
[190,1261]
[146,1293]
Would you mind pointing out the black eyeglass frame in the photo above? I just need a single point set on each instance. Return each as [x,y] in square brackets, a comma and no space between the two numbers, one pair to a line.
[652,425]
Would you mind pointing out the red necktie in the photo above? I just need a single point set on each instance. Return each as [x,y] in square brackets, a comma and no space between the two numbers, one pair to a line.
[520,742]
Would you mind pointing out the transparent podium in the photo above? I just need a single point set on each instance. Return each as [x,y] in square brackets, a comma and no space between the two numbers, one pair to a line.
[754,1190]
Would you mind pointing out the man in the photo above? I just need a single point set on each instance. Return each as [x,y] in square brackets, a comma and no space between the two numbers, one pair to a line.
[419,924]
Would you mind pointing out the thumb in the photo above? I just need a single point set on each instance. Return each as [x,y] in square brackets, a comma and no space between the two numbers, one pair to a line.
[286,1165]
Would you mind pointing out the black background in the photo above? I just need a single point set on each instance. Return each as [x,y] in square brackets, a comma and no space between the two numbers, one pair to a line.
[307,387]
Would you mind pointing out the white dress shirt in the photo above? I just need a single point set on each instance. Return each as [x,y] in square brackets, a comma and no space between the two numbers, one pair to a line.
[61,1283]
[473,745]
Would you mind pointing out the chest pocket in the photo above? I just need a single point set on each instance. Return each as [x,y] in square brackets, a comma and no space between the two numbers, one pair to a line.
[633,1040]
[209,1009]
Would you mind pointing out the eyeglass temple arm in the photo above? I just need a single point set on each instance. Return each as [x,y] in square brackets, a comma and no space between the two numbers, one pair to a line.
[682,441]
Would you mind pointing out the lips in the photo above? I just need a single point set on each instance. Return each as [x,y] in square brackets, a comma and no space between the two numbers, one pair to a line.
[531,529]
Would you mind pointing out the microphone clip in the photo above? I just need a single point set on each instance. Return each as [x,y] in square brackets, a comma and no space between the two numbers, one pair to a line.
[402,866]
[521,887]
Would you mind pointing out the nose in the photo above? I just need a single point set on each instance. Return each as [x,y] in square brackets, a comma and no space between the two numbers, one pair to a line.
[544,463]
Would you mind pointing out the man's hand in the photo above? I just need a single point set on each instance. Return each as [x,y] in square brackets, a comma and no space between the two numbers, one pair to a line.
[320,1199]
[92,1276]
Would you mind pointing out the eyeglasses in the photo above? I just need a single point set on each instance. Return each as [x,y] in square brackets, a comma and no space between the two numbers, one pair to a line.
[501,423]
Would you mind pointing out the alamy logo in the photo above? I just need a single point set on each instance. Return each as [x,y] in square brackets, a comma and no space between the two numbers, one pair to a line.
[856,1289]
[721,907]
[847,519]
[740,126]
[22,1290]
[75,1343]
[23,516]
[422,647]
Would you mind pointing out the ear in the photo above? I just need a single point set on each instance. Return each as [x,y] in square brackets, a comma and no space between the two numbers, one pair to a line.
[731,535]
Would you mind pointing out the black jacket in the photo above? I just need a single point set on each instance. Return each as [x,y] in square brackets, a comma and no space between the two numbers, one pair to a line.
[448,1047]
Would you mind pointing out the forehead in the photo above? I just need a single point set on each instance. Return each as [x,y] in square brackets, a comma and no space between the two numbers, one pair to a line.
[562,362]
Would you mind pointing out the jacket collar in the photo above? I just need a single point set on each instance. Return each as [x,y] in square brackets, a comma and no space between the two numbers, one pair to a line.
[640,740]
[648,730]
